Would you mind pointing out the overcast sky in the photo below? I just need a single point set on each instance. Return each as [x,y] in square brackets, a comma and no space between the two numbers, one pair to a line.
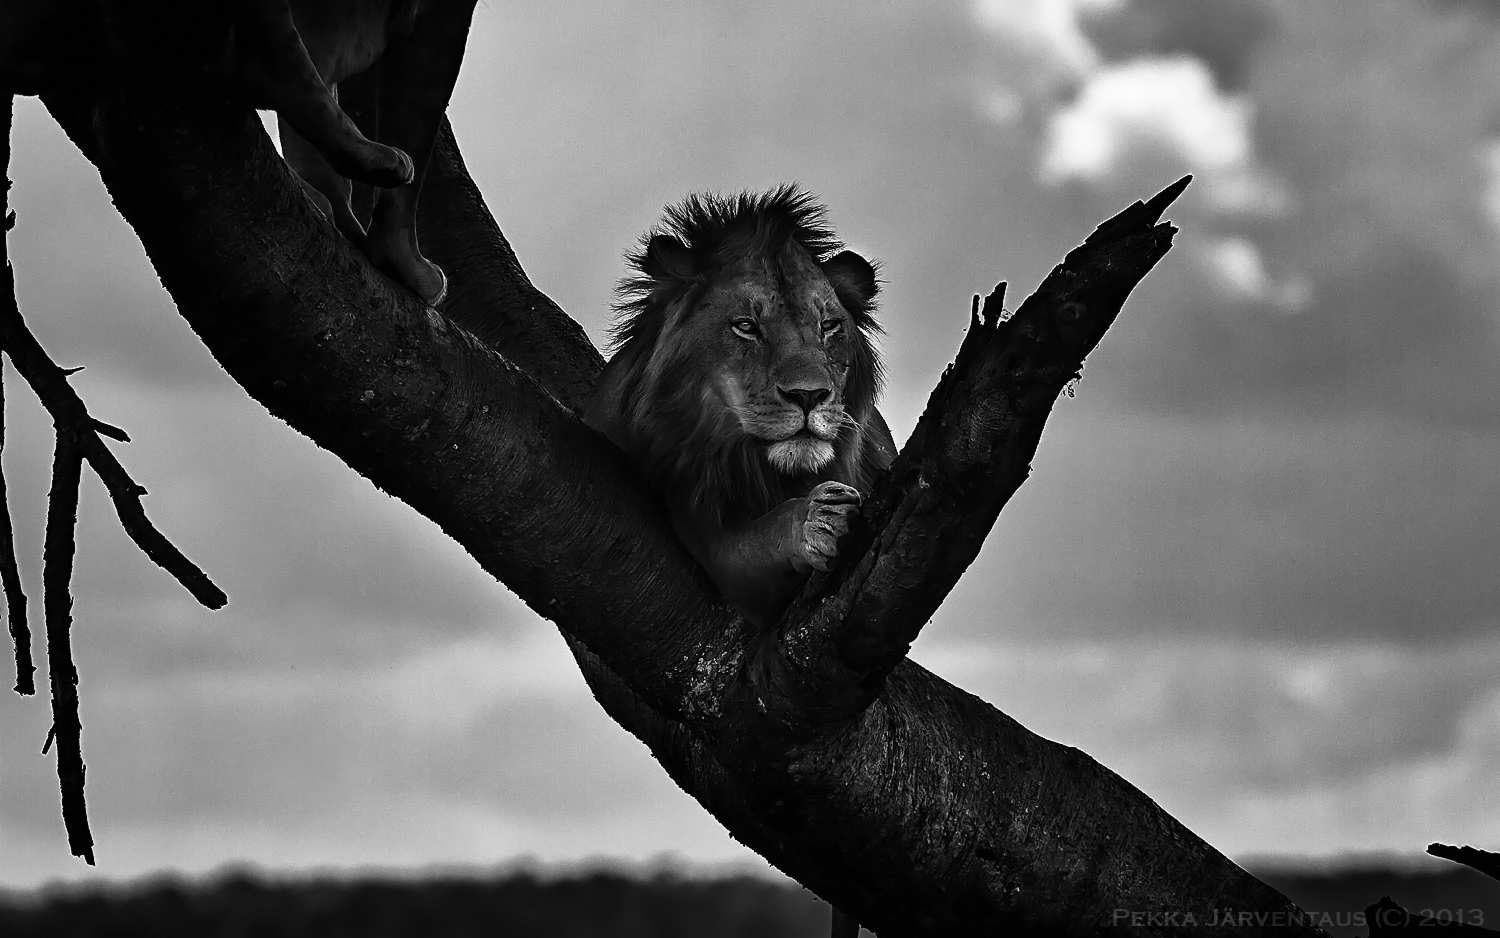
[1253,572]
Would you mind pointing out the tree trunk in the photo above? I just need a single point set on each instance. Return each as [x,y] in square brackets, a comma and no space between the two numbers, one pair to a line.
[917,808]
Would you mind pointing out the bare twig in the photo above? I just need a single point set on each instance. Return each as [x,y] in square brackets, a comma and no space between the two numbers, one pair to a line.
[68,411]
[10,576]
[109,430]
[1475,859]
[10,579]
[57,571]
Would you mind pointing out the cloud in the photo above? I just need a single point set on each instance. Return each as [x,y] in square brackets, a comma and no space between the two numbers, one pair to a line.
[1345,170]
[475,751]
[1166,113]
[1381,134]
[1304,530]
[1240,269]
[1491,159]
[1224,34]
[1150,97]
[1268,748]
[1167,103]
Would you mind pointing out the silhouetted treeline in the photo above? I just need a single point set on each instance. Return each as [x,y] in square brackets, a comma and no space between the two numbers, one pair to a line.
[521,906]
[1339,899]
[601,905]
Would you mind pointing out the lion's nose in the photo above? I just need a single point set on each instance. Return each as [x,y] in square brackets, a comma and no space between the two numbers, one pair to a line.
[805,398]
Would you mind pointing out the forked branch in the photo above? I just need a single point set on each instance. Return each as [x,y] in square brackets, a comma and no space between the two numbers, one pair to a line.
[50,382]
[970,452]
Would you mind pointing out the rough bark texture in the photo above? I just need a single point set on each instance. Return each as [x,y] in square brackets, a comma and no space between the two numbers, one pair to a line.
[916,807]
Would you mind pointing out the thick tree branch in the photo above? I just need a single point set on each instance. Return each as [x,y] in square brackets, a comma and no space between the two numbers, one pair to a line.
[1482,861]
[928,813]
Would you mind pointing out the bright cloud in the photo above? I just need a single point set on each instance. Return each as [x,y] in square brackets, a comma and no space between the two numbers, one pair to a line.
[1044,55]
[1161,103]
[1239,269]
[1491,160]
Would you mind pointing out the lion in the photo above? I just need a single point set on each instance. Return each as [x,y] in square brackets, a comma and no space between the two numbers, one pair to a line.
[290,57]
[744,384]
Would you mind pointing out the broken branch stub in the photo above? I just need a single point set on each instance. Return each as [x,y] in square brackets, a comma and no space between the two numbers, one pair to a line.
[1482,861]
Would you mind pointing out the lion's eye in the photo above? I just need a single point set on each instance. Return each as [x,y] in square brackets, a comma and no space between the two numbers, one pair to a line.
[832,326]
[746,327]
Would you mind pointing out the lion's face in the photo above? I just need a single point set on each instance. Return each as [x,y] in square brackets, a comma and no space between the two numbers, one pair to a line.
[770,343]
[746,371]
[778,343]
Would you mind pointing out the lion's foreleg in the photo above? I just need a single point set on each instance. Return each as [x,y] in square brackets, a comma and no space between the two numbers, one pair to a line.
[759,566]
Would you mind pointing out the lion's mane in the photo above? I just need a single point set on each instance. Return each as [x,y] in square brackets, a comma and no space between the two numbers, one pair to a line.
[684,438]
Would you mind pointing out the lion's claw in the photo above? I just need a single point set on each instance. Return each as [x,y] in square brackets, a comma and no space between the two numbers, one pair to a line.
[830,510]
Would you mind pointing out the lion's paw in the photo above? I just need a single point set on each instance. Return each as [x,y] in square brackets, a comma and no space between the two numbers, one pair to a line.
[830,511]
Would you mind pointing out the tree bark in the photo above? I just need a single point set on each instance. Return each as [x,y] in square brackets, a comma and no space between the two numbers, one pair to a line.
[910,804]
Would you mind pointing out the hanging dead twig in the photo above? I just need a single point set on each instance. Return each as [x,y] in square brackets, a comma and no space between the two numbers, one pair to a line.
[57,604]
[10,575]
[10,579]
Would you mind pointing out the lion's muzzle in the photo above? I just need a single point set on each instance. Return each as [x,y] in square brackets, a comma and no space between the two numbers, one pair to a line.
[805,441]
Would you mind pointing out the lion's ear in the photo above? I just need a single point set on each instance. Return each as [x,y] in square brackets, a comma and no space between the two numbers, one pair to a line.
[853,279]
[666,258]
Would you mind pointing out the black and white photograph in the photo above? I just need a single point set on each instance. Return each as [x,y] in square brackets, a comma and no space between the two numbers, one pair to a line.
[760,470]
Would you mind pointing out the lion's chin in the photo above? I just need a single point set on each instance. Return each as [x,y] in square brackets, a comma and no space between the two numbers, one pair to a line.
[800,454]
